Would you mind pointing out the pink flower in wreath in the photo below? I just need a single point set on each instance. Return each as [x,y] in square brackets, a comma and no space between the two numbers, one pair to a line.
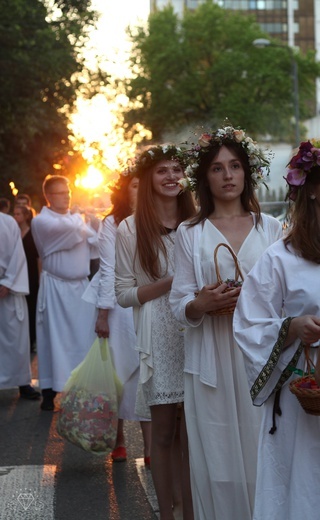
[204,140]
[296,177]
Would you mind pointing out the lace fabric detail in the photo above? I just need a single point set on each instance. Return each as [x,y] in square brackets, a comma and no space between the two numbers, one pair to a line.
[166,385]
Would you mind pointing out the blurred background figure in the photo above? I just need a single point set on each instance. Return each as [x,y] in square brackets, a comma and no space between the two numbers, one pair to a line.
[23,216]
[114,322]
[14,328]
[64,243]
[23,199]
[4,205]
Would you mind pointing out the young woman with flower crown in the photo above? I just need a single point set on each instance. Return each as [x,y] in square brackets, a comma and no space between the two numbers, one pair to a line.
[224,169]
[144,271]
[277,322]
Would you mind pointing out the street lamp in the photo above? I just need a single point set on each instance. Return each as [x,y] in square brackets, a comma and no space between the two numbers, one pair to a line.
[263,42]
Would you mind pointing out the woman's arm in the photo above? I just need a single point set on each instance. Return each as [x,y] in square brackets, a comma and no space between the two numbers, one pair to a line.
[154,290]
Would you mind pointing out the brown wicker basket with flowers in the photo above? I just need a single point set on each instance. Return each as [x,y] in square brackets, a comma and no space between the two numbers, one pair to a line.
[306,389]
[232,283]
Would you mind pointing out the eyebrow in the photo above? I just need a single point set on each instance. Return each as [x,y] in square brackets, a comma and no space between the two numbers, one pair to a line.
[231,160]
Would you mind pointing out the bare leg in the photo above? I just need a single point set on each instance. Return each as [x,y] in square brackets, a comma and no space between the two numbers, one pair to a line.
[146,435]
[120,434]
[163,430]
[186,486]
[177,466]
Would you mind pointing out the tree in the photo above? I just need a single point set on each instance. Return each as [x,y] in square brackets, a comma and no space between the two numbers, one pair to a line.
[203,68]
[42,72]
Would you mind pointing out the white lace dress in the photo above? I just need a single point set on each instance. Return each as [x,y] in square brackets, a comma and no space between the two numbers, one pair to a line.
[166,384]
[159,337]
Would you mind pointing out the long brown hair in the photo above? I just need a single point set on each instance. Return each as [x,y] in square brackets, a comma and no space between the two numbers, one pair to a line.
[304,231]
[149,228]
[248,197]
[120,199]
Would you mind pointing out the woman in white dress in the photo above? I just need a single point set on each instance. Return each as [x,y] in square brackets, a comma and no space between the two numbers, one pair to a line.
[144,270]
[225,168]
[113,321]
[278,313]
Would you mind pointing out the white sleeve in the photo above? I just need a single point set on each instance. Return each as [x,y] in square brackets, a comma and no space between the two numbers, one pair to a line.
[107,241]
[260,329]
[184,283]
[125,278]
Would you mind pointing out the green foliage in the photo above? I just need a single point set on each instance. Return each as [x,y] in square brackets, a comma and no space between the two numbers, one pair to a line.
[41,76]
[204,68]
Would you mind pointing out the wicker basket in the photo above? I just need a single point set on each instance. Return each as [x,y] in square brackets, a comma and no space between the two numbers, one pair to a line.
[238,274]
[309,398]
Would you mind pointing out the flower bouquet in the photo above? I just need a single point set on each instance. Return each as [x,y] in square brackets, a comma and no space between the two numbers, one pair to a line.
[88,415]
[88,420]
[306,389]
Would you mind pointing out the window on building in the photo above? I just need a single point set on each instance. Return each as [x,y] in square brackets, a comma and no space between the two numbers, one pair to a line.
[274,28]
[257,5]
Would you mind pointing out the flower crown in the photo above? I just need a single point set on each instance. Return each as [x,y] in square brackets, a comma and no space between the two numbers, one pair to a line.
[258,159]
[149,157]
[300,165]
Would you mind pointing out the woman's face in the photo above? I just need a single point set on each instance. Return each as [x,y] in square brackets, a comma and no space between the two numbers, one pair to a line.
[165,177]
[133,192]
[19,216]
[226,176]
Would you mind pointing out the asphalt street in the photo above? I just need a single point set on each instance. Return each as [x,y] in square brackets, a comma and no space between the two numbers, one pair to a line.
[44,477]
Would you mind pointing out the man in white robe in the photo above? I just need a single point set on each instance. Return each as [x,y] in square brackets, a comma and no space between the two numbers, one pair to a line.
[14,325]
[64,319]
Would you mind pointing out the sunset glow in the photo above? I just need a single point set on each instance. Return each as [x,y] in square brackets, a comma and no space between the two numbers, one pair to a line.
[92,179]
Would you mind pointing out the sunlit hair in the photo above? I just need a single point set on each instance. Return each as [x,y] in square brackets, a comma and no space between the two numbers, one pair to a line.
[304,230]
[23,196]
[26,211]
[150,231]
[204,196]
[120,199]
[51,180]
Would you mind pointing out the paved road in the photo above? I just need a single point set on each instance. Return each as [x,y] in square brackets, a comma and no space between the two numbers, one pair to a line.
[43,477]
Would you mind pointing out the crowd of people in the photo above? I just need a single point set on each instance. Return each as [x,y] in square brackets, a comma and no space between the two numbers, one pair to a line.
[210,309]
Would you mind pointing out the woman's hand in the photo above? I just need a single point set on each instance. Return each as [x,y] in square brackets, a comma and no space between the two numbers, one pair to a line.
[102,325]
[212,298]
[4,291]
[307,328]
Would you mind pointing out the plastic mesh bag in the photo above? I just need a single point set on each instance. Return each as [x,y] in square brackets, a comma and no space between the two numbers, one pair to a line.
[88,413]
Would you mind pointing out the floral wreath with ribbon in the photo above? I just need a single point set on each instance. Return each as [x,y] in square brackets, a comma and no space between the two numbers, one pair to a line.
[152,155]
[306,158]
[259,160]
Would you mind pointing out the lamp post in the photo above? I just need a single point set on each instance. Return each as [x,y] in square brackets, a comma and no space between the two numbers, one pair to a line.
[262,42]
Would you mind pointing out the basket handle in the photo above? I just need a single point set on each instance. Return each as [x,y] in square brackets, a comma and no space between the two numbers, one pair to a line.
[309,362]
[238,272]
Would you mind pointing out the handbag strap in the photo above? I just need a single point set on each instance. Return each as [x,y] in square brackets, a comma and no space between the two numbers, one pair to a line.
[238,272]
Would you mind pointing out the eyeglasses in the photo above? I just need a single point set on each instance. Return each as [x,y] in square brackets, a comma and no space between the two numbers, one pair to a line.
[59,192]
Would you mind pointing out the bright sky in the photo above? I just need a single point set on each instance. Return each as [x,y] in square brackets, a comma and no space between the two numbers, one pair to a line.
[110,38]
[94,120]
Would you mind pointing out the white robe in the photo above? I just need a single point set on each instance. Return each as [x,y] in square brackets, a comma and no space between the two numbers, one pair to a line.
[14,324]
[222,424]
[122,336]
[64,319]
[282,285]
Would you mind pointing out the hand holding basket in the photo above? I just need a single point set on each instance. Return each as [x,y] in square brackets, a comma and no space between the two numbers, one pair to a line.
[236,282]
